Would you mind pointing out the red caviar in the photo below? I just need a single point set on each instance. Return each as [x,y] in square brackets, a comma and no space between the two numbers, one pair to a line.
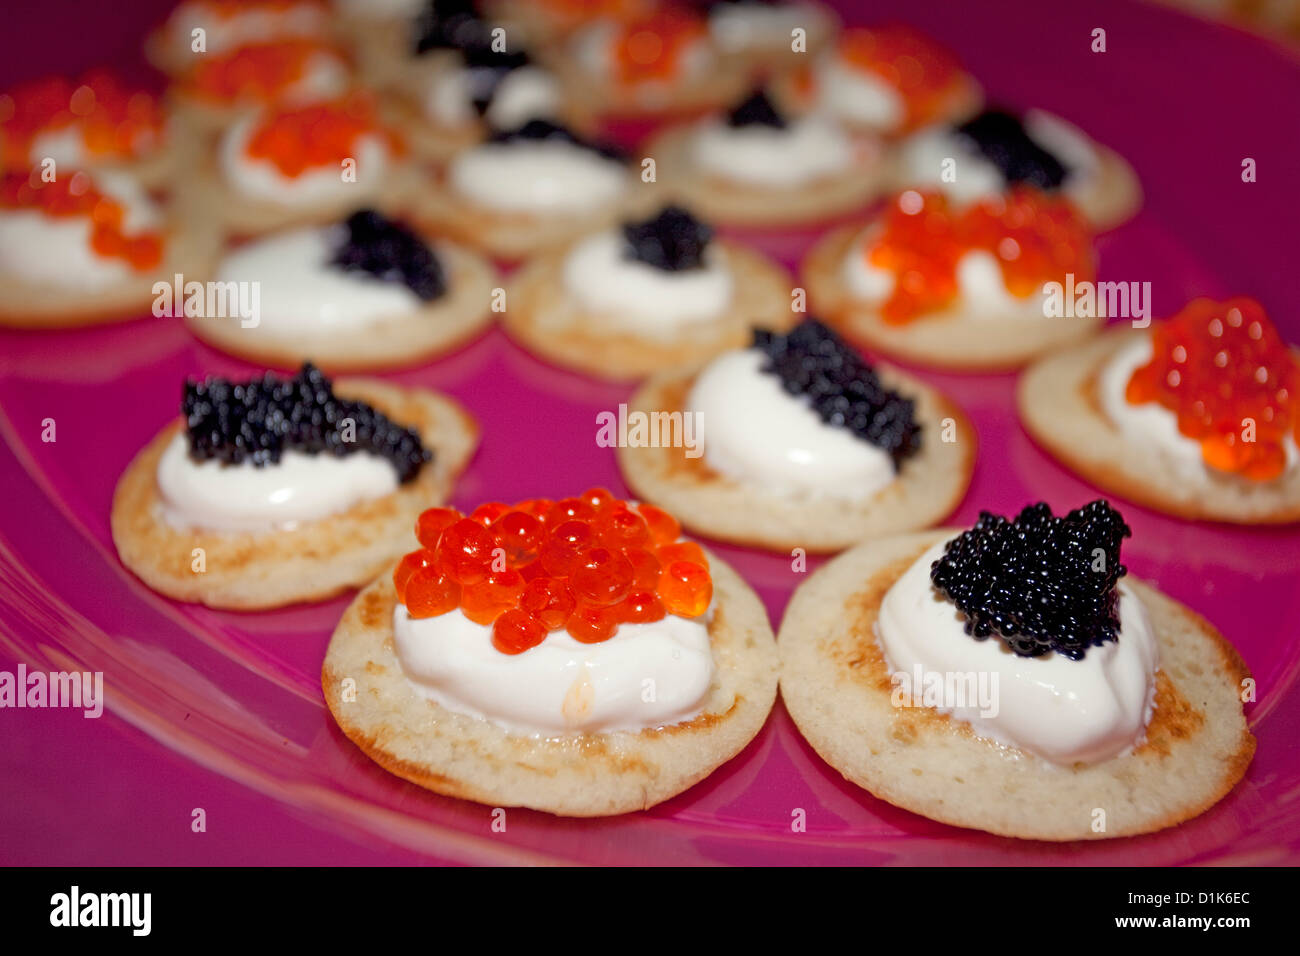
[925,74]
[76,195]
[115,121]
[650,47]
[586,566]
[1233,383]
[260,72]
[319,135]
[1034,237]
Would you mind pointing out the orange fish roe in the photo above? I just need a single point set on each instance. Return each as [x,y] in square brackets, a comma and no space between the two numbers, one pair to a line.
[115,122]
[650,47]
[260,72]
[75,195]
[924,73]
[584,565]
[1224,371]
[1033,236]
[309,137]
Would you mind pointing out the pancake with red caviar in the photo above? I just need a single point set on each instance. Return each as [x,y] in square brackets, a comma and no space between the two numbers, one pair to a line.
[114,242]
[647,295]
[889,80]
[805,445]
[426,438]
[578,583]
[300,164]
[225,86]
[952,288]
[657,64]
[1195,416]
[94,122]
[1174,759]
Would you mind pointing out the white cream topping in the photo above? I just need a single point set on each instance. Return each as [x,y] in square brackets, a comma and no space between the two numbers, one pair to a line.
[639,297]
[981,289]
[45,249]
[523,94]
[756,432]
[805,151]
[300,487]
[923,157]
[1062,710]
[746,27]
[254,25]
[857,96]
[537,176]
[262,180]
[301,292]
[1150,424]
[646,675]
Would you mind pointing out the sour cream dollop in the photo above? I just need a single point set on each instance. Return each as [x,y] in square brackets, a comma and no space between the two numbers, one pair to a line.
[300,291]
[641,297]
[805,151]
[300,487]
[756,432]
[1061,710]
[646,675]
[519,176]
[56,250]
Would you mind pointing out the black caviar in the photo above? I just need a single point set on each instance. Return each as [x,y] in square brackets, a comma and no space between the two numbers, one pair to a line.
[260,419]
[390,251]
[450,24]
[844,390]
[545,131]
[673,240]
[757,110]
[1001,139]
[1040,583]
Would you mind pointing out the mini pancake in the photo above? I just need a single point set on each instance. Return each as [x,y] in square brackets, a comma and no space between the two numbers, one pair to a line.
[837,688]
[543,317]
[946,339]
[579,775]
[313,561]
[511,236]
[210,198]
[929,485]
[187,250]
[724,200]
[1059,408]
[410,339]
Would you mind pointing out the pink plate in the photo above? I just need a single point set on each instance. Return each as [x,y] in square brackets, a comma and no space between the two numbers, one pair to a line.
[223,711]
